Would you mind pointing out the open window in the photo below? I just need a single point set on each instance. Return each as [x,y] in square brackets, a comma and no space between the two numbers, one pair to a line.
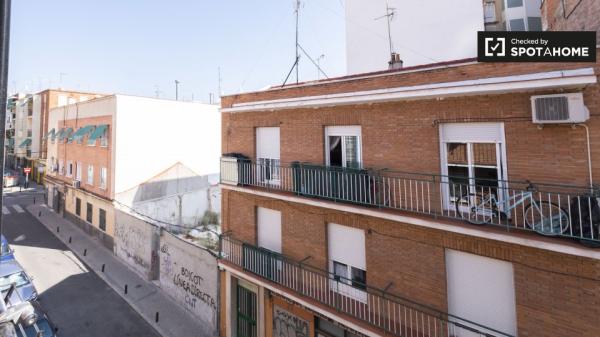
[473,160]
[343,146]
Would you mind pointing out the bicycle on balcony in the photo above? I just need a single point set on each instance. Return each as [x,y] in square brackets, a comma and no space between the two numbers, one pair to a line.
[493,205]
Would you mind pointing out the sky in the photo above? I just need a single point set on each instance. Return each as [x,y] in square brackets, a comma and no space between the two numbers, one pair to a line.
[140,47]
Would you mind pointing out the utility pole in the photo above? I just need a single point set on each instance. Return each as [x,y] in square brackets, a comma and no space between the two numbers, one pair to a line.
[4,44]
[176,90]
[219,93]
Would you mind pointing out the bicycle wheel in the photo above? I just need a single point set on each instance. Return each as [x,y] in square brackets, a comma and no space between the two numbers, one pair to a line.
[476,209]
[546,218]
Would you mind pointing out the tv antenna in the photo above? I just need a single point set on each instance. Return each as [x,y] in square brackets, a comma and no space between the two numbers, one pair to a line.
[299,49]
[389,16]
[297,4]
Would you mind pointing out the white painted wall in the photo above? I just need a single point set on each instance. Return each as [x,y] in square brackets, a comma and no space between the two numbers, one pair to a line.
[422,32]
[150,135]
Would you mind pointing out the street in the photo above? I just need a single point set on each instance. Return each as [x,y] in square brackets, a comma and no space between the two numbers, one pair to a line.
[76,299]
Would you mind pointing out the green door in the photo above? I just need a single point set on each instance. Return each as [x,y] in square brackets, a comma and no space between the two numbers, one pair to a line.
[246,312]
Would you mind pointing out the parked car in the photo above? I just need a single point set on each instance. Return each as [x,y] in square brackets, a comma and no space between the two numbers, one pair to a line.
[43,327]
[11,178]
[12,272]
[6,253]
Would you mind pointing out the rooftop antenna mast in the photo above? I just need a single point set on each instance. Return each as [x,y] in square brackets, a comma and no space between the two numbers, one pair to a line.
[389,15]
[297,4]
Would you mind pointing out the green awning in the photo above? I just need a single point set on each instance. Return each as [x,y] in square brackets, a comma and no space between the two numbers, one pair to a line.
[60,134]
[99,132]
[26,142]
[66,134]
[82,132]
[51,134]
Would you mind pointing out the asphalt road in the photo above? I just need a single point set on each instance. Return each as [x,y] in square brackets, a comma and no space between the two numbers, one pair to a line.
[76,300]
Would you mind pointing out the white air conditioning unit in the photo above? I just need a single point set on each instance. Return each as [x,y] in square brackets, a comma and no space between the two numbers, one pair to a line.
[76,184]
[560,108]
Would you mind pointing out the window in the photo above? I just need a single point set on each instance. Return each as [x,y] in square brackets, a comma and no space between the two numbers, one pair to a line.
[489,12]
[90,175]
[62,100]
[89,215]
[517,25]
[102,219]
[61,167]
[78,206]
[472,158]
[514,3]
[343,146]
[104,138]
[267,155]
[534,24]
[78,171]
[69,168]
[268,223]
[468,280]
[103,173]
[346,249]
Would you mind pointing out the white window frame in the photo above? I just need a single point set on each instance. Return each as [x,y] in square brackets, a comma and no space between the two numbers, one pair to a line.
[103,177]
[472,133]
[351,258]
[90,177]
[69,168]
[342,131]
[468,279]
[104,138]
[268,225]
[78,171]
[268,168]
[61,167]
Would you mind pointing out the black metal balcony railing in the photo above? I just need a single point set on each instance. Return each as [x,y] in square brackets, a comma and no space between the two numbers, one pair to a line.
[395,315]
[549,209]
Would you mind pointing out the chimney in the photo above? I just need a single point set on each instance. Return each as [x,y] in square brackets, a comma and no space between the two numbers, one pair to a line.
[395,62]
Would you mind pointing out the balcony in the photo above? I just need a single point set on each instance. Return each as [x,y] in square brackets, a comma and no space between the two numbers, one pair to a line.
[376,307]
[564,211]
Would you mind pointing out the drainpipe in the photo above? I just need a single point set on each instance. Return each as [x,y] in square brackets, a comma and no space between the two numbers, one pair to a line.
[589,153]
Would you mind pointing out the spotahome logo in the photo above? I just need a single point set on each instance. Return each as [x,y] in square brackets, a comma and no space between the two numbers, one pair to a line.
[536,46]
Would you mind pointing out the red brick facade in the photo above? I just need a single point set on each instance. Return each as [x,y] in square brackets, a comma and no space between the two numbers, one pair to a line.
[556,294]
[571,15]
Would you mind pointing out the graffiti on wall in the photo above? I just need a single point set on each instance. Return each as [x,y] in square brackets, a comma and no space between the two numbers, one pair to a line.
[131,243]
[287,325]
[189,276]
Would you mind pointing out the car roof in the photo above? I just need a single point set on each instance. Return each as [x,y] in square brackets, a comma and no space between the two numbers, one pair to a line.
[9,267]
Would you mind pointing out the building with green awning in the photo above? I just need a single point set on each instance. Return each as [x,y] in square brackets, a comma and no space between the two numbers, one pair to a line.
[99,132]
[81,133]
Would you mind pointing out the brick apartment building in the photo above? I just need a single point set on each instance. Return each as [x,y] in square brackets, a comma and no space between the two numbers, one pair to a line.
[99,150]
[31,123]
[571,15]
[365,205]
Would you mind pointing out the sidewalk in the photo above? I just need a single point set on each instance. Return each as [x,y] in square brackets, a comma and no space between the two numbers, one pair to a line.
[143,296]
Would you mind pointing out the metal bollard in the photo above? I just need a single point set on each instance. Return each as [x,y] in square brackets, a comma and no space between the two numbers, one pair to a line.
[40,214]
[58,229]
[103,265]
[85,252]
[69,239]
[34,200]
[156,318]
[125,289]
